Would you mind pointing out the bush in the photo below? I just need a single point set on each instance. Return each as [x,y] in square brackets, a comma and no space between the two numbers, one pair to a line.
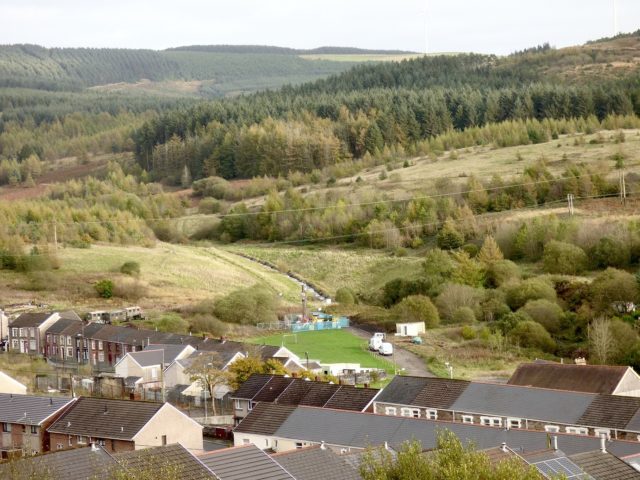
[610,252]
[209,206]
[464,315]
[417,308]
[563,258]
[468,332]
[207,324]
[130,268]
[517,294]
[530,334]
[130,289]
[449,238]
[546,313]
[104,288]
[171,323]
[345,296]
[250,305]
[611,286]
[471,249]
[454,296]
[501,272]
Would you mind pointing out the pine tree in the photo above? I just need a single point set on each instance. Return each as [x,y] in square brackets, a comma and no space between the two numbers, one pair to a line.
[490,251]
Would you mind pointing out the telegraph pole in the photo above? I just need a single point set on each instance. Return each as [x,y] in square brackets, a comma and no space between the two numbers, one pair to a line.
[570,203]
[623,188]
[55,236]
[303,296]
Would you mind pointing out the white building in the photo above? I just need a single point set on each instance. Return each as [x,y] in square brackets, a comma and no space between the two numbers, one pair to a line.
[412,329]
[11,385]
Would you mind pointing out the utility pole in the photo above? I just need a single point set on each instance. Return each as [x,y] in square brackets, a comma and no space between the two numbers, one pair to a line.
[304,302]
[570,203]
[55,236]
[623,188]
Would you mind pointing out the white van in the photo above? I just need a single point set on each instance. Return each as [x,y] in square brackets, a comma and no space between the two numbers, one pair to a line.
[376,341]
[385,349]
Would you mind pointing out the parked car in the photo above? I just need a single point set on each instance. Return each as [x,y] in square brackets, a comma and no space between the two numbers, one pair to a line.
[376,341]
[385,349]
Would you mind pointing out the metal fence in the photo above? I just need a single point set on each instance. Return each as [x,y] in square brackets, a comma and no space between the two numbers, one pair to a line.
[342,322]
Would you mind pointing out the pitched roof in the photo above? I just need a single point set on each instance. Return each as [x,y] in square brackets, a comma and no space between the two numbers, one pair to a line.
[30,319]
[30,409]
[612,411]
[74,464]
[348,397]
[604,466]
[422,391]
[316,463]
[105,418]
[577,378]
[273,389]
[61,325]
[265,418]
[553,464]
[157,354]
[174,456]
[523,402]
[359,430]
[252,386]
[244,463]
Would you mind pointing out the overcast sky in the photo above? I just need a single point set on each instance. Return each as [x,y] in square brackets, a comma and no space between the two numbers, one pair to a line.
[491,26]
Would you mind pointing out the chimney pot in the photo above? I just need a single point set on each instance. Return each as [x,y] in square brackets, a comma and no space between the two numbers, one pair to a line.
[503,447]
[603,443]
[555,442]
[322,445]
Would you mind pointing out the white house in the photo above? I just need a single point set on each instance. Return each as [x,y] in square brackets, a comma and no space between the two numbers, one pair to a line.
[4,325]
[11,385]
[26,332]
[411,329]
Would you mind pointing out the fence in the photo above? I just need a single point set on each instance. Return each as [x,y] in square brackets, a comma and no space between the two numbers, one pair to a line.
[342,322]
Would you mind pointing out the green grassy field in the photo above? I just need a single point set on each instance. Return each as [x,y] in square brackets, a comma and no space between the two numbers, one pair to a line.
[328,346]
[172,274]
[330,269]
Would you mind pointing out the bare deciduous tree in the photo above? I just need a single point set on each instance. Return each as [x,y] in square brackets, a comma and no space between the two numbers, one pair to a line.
[601,341]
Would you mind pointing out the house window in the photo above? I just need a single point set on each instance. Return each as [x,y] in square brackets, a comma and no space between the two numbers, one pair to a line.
[491,421]
[93,344]
[55,339]
[99,344]
[238,404]
[100,441]
[154,373]
[299,445]
[33,332]
[467,418]
[59,446]
[69,352]
[266,442]
[514,423]
[34,429]
[577,430]
[101,356]
[390,411]
[70,441]
[14,332]
[6,427]
[164,439]
[32,344]
[22,334]
[410,412]
[15,344]
[551,428]
[82,439]
[432,414]
[69,341]
[598,432]
[250,406]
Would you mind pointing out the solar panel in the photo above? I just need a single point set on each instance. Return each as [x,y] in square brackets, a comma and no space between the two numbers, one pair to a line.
[562,466]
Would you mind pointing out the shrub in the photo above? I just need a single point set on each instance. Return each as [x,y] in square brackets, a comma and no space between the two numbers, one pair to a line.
[611,286]
[449,238]
[417,308]
[464,315]
[563,258]
[546,313]
[345,296]
[130,289]
[171,322]
[530,334]
[490,251]
[517,294]
[609,252]
[104,288]
[203,323]
[248,306]
[501,272]
[470,249]
[130,268]
[454,296]
[468,332]
[209,206]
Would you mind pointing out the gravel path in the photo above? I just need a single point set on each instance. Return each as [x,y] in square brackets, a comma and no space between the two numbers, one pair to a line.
[412,363]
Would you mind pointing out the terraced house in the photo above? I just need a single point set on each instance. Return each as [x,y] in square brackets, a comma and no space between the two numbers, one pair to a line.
[511,407]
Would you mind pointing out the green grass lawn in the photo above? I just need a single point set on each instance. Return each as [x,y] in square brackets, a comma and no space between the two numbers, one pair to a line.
[330,346]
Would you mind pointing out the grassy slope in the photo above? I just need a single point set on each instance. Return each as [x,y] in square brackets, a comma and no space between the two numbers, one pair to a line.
[331,346]
[174,274]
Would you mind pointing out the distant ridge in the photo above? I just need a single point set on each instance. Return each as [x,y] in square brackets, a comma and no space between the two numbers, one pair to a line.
[287,51]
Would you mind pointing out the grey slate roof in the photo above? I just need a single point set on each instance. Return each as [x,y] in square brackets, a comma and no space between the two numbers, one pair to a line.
[422,391]
[244,463]
[30,319]
[316,463]
[61,325]
[250,388]
[74,464]
[612,411]
[187,466]
[37,409]
[604,466]
[156,354]
[523,402]
[265,418]
[105,418]
[359,430]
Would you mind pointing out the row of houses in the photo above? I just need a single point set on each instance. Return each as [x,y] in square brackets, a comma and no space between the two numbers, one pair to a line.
[35,424]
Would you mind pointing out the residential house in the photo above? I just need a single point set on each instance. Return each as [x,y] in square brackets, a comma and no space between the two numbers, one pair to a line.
[411,329]
[122,425]
[606,379]
[145,369]
[172,459]
[9,384]
[26,332]
[511,406]
[285,390]
[317,463]
[246,462]
[24,420]
[284,427]
[64,342]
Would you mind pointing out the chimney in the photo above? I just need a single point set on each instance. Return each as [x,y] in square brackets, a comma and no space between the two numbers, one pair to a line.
[94,447]
[603,443]
[322,445]
[366,385]
[317,378]
[554,442]
[503,447]
[294,374]
[106,410]
[386,446]
[50,401]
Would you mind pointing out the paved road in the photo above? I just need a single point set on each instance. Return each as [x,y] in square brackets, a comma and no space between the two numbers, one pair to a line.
[412,363]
